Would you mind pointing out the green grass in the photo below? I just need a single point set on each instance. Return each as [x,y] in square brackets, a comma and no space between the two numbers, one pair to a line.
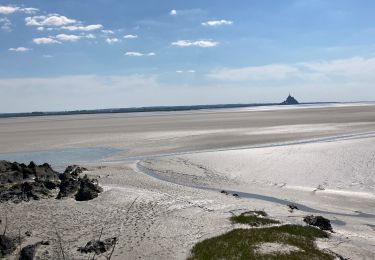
[253,218]
[241,244]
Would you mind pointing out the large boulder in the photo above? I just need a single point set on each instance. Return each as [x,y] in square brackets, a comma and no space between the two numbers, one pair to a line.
[318,221]
[89,189]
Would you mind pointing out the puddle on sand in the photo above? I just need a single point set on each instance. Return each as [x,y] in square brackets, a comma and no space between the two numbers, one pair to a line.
[60,158]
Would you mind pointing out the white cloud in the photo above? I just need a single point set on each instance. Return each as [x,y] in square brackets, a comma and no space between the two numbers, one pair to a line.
[108,32]
[216,23]
[130,36]
[112,40]
[50,20]
[173,12]
[29,10]
[8,9]
[139,54]
[45,41]
[47,56]
[40,28]
[200,43]
[14,9]
[91,27]
[5,24]
[68,37]
[19,49]
[185,71]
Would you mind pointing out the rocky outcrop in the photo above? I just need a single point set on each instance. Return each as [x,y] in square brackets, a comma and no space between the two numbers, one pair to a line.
[17,173]
[25,191]
[20,182]
[81,189]
[318,221]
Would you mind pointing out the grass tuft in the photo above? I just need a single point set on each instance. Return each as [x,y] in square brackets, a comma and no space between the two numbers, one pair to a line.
[253,218]
[242,244]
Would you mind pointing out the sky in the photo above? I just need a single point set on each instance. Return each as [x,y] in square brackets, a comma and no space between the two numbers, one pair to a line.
[91,54]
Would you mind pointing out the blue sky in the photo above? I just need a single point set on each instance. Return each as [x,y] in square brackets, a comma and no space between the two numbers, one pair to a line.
[62,55]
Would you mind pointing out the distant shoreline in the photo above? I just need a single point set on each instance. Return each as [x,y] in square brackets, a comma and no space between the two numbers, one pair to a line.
[150,109]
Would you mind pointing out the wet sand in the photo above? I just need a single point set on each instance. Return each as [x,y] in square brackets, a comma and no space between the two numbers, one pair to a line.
[155,133]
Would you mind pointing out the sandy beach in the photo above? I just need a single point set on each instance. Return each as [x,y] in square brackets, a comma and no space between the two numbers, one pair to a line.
[163,179]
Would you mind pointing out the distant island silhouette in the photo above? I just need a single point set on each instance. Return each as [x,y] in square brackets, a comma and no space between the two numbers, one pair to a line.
[290,101]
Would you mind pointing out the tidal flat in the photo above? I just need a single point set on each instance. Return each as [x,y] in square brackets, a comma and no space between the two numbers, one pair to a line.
[162,173]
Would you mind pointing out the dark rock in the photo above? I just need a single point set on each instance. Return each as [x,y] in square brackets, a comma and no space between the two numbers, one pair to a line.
[7,246]
[89,189]
[318,221]
[290,101]
[235,195]
[28,233]
[292,207]
[5,166]
[45,243]
[46,173]
[68,187]
[29,252]
[98,246]
[25,192]
[50,185]
[31,165]
[20,182]
[224,192]
[17,173]
[11,177]
[74,170]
